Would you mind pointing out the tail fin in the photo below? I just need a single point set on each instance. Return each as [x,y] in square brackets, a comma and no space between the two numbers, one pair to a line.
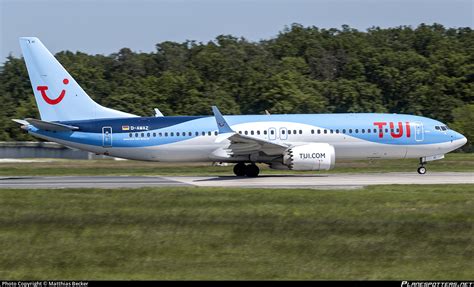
[58,96]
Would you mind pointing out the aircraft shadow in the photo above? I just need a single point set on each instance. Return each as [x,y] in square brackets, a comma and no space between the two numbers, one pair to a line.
[233,177]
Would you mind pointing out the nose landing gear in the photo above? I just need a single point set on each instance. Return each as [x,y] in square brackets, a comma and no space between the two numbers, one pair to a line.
[250,170]
[422,168]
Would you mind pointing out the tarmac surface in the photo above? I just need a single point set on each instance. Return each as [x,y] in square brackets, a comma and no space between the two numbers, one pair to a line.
[317,181]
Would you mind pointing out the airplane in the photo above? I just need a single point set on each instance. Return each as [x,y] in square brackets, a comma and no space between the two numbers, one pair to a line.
[282,141]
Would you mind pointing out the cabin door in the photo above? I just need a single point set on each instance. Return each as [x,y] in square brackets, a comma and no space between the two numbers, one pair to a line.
[107,136]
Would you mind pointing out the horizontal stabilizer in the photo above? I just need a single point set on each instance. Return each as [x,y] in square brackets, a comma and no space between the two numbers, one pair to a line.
[21,122]
[44,125]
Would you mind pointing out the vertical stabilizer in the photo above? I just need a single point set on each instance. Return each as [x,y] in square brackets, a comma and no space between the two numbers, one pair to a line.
[58,96]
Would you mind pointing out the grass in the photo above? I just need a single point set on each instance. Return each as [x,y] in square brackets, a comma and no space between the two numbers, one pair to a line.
[452,162]
[379,232]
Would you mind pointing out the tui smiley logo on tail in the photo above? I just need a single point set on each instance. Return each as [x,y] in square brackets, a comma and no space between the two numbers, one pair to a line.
[47,99]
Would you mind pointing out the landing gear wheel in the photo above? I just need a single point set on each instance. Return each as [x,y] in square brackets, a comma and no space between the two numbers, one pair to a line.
[239,169]
[421,170]
[252,170]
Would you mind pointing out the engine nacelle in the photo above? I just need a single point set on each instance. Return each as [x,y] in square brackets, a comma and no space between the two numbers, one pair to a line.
[313,156]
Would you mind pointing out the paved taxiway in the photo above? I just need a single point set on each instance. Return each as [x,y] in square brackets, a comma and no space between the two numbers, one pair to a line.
[319,181]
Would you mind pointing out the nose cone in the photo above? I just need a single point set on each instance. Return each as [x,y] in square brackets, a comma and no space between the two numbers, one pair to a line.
[459,140]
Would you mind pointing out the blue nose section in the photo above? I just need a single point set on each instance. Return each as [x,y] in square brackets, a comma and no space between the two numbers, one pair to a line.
[458,139]
[458,136]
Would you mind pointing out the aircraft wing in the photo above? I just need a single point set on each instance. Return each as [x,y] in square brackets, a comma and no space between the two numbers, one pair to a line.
[242,144]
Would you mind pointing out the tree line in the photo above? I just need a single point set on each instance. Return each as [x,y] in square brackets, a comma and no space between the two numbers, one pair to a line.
[427,70]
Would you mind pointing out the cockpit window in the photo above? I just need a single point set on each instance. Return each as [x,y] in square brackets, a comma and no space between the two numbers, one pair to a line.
[441,128]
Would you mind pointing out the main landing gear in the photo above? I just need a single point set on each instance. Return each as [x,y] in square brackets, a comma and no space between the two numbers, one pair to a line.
[250,170]
[422,168]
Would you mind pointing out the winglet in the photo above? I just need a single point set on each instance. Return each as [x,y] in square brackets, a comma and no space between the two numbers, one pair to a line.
[222,125]
[158,113]
[21,122]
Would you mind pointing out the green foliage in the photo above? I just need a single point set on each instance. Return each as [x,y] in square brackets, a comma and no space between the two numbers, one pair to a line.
[463,123]
[427,70]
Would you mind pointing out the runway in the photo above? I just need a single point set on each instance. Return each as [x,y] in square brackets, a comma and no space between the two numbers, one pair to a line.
[319,181]
[87,182]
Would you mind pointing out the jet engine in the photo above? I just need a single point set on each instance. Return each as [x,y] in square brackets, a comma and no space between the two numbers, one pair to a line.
[313,156]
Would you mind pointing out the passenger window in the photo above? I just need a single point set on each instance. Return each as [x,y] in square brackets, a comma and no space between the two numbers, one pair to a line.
[154,135]
[337,131]
[190,133]
[272,132]
[344,131]
[166,134]
[160,134]
[264,132]
[209,133]
[312,132]
[363,131]
[216,133]
[368,131]
[375,131]
[350,131]
[177,134]
[282,132]
[325,131]
[251,132]
[136,135]
[289,132]
[196,133]
[258,132]
[171,134]
[203,133]
[331,131]
[240,132]
[148,135]
[143,135]
[386,131]
[319,132]
[301,132]
[246,132]
[294,132]
[130,134]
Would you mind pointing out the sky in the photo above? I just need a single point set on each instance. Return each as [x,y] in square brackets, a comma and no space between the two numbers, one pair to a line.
[106,26]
